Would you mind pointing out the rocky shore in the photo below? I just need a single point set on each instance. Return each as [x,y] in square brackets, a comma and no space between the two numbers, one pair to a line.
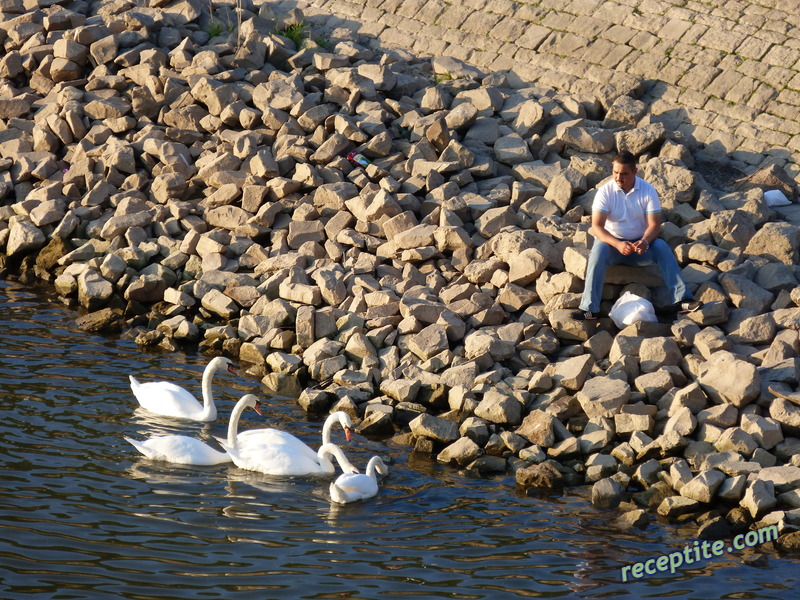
[183,177]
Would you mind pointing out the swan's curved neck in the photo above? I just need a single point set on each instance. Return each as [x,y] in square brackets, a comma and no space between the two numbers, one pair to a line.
[233,424]
[208,399]
[372,468]
[326,451]
[326,429]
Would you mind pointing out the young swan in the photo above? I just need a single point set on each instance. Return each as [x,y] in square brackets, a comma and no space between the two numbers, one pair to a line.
[350,487]
[185,450]
[170,400]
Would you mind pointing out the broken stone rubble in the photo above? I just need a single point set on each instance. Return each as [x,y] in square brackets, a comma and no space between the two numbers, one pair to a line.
[196,190]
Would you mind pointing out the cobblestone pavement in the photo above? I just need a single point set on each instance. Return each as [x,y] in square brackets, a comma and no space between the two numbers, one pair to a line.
[727,70]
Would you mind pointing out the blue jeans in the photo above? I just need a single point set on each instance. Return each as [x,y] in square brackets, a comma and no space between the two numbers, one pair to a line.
[603,256]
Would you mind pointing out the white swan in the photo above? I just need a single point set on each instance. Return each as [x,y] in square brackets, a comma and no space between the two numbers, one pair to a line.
[185,450]
[168,399]
[278,459]
[350,487]
[277,437]
[275,452]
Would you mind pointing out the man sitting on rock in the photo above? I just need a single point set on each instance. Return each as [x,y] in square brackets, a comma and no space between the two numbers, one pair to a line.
[626,221]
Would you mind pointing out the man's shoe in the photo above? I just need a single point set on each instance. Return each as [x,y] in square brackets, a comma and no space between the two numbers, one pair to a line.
[580,315]
[689,306]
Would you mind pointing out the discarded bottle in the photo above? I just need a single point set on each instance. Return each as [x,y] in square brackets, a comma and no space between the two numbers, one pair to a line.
[358,159]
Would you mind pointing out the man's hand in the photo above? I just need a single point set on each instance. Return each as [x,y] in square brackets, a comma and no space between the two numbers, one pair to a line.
[626,248]
[641,246]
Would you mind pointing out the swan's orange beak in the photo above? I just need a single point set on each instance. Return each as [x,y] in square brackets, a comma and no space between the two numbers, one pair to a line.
[232,369]
[347,434]
[257,408]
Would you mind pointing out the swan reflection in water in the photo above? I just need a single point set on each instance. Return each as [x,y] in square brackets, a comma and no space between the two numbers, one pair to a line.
[253,495]
[149,424]
[160,473]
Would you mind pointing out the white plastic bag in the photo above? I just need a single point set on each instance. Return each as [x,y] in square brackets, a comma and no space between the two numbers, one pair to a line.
[776,198]
[630,308]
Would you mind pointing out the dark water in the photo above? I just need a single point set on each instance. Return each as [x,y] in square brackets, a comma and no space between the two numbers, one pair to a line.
[82,516]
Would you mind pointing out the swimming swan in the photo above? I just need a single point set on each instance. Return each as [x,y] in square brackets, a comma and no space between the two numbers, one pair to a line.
[279,459]
[185,450]
[168,399]
[269,436]
[350,487]
[275,452]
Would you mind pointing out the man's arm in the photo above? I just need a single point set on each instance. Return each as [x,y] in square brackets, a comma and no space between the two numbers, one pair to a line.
[650,234]
[600,232]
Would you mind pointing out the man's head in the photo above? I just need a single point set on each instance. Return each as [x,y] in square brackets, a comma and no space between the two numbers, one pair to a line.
[623,170]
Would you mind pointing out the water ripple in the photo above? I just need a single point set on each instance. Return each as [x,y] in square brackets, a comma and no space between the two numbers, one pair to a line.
[84,516]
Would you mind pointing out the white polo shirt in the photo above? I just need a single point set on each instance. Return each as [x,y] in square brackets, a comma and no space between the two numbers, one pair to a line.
[627,212]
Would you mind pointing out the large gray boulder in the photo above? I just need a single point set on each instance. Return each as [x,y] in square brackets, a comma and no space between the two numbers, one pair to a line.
[726,378]
[603,397]
[776,241]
